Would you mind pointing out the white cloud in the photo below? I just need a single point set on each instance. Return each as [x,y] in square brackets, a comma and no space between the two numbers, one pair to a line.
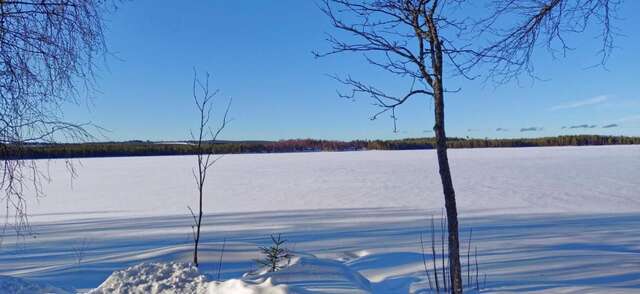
[581,103]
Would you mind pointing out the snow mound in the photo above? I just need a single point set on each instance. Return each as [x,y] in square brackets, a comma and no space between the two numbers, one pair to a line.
[21,286]
[309,274]
[235,286]
[176,277]
[155,278]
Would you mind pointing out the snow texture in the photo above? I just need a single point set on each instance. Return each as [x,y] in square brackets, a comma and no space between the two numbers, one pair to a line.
[176,278]
[487,182]
[155,278]
[22,286]
[315,275]
[545,220]
[236,286]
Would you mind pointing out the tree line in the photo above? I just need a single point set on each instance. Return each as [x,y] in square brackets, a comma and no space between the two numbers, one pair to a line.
[148,148]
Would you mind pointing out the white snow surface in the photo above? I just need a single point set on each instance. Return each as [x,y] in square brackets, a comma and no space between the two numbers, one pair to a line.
[237,286]
[545,220]
[22,286]
[155,278]
[488,181]
[177,278]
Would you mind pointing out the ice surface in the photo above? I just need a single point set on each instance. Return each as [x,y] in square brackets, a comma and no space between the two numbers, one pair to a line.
[488,181]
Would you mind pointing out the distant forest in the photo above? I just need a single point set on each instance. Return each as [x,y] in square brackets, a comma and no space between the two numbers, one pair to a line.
[148,148]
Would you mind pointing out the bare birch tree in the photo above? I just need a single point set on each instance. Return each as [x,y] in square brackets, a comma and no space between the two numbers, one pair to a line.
[420,41]
[48,52]
[205,140]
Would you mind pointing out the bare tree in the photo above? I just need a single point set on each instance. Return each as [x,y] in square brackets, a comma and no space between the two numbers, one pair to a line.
[47,59]
[205,139]
[422,40]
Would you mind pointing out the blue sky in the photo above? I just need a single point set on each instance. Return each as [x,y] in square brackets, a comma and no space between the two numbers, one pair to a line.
[259,53]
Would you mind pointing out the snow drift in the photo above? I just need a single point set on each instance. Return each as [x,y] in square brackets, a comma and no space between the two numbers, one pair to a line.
[175,278]
[236,286]
[155,278]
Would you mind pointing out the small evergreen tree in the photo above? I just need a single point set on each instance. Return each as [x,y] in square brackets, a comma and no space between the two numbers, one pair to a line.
[275,254]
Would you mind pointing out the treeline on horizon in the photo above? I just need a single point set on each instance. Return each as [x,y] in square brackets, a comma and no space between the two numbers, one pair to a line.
[148,148]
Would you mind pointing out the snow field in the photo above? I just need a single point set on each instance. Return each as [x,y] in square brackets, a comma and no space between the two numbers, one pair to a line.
[560,220]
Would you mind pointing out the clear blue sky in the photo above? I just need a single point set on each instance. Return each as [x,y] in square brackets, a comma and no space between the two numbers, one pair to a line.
[259,53]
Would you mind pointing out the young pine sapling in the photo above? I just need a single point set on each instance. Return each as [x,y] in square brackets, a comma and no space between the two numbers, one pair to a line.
[275,254]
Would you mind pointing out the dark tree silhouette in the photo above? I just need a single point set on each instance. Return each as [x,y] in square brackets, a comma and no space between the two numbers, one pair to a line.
[422,40]
[47,59]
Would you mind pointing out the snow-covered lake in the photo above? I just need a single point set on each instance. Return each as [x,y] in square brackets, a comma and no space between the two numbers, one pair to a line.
[555,219]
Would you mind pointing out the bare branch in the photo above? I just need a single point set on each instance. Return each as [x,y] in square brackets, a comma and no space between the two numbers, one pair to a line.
[543,24]
[204,101]
[47,59]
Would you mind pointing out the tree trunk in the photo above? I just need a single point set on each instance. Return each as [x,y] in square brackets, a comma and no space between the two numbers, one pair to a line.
[197,237]
[447,187]
[455,269]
